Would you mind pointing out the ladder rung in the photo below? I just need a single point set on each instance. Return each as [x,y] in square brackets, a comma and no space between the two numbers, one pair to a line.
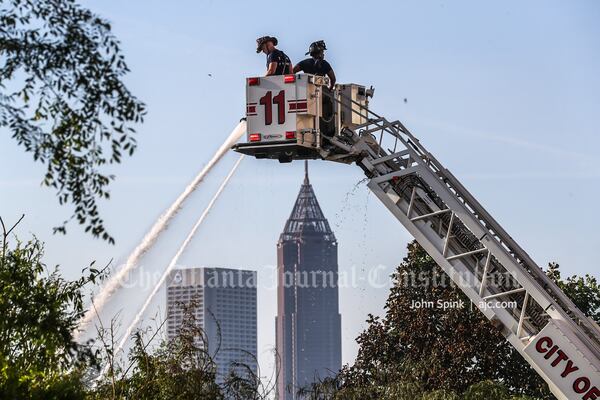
[466,254]
[389,157]
[493,296]
[430,214]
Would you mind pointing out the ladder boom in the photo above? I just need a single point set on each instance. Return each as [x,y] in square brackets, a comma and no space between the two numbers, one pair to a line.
[471,246]
[485,262]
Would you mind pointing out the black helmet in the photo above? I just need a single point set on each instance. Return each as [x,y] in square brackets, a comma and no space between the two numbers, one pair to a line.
[316,47]
[264,39]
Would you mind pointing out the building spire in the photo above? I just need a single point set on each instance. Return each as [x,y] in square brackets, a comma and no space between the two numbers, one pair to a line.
[307,217]
[306,181]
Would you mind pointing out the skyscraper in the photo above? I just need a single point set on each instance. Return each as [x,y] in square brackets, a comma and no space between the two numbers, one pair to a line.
[224,305]
[308,323]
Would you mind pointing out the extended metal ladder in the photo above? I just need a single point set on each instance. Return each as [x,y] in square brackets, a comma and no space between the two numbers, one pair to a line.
[544,325]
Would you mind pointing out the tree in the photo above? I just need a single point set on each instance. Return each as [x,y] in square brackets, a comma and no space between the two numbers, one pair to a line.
[450,349]
[63,99]
[404,390]
[582,290]
[178,368]
[39,357]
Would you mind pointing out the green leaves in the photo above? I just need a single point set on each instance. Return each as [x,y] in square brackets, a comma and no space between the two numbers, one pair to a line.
[39,357]
[180,368]
[582,290]
[67,105]
[452,350]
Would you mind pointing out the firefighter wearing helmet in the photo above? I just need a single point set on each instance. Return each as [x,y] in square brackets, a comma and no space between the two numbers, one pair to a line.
[316,64]
[277,62]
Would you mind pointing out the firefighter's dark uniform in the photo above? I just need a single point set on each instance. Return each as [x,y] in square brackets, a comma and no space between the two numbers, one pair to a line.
[319,66]
[282,60]
[315,66]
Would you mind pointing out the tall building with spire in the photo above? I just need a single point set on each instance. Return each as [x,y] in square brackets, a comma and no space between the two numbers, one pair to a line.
[308,322]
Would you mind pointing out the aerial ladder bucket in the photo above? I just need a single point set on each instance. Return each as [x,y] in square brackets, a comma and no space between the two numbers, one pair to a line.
[544,326]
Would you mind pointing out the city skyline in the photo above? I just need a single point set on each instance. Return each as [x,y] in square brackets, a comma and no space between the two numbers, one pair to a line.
[512,112]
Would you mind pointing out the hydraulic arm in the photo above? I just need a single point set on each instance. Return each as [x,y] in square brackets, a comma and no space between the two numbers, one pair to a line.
[543,324]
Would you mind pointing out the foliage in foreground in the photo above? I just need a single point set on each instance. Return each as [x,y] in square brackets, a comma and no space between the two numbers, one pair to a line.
[180,368]
[63,99]
[404,390]
[426,354]
[453,350]
[39,357]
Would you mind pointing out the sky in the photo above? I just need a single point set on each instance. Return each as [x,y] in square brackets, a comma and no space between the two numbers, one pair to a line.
[505,94]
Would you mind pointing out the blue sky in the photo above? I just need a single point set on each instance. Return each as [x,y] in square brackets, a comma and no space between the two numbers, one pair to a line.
[505,94]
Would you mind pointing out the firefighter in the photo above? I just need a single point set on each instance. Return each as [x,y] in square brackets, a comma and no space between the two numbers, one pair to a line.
[316,64]
[277,62]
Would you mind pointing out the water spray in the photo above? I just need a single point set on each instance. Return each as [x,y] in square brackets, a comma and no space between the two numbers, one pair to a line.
[116,281]
[173,262]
